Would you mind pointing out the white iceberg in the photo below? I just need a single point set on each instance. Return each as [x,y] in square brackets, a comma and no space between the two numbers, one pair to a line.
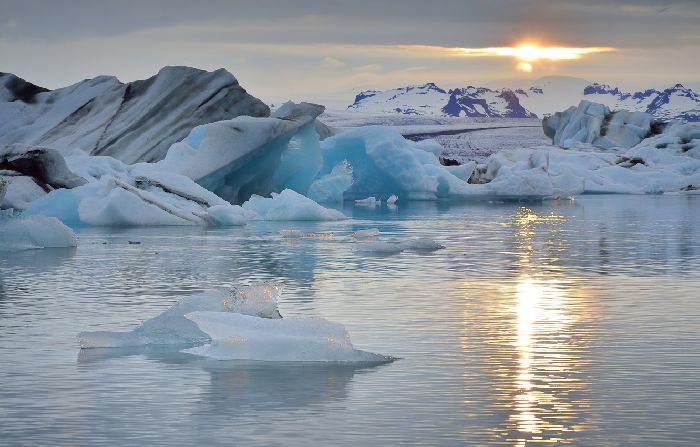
[369,201]
[296,339]
[172,328]
[290,205]
[595,124]
[244,324]
[30,232]
[668,162]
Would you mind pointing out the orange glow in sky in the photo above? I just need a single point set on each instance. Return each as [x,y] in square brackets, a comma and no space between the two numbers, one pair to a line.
[528,53]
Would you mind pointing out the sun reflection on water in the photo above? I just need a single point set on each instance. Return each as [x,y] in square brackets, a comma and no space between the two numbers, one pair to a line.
[543,384]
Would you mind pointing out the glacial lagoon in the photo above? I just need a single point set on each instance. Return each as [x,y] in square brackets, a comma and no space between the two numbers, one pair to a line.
[560,322]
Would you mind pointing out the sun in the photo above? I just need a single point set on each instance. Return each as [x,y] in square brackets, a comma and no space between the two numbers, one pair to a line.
[525,66]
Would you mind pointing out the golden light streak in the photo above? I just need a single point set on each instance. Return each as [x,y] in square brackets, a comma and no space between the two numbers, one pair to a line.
[531,52]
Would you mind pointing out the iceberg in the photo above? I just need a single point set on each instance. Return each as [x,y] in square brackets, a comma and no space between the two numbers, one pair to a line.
[331,187]
[30,232]
[369,201]
[172,328]
[31,172]
[132,122]
[290,205]
[595,124]
[641,156]
[296,339]
[20,191]
[244,324]
[130,199]
[244,156]
[385,164]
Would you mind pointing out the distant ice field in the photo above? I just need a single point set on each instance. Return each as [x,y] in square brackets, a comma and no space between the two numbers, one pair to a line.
[463,139]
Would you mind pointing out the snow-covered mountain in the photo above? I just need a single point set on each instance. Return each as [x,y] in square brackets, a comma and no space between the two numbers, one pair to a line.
[544,97]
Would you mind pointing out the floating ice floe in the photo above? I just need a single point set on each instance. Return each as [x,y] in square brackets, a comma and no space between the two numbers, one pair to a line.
[289,205]
[242,325]
[172,328]
[422,244]
[293,233]
[369,201]
[366,233]
[309,339]
[22,233]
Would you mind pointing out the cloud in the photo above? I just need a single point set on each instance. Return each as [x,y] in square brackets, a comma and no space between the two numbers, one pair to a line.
[331,62]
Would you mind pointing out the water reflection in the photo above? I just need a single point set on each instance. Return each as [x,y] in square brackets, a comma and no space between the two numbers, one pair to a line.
[241,384]
[544,389]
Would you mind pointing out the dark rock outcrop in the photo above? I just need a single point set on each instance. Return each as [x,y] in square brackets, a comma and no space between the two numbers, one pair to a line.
[45,166]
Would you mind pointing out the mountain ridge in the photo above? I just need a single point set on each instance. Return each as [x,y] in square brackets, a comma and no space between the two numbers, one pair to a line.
[542,98]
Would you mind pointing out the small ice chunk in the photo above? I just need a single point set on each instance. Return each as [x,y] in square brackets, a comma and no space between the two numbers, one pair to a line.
[30,232]
[392,200]
[291,233]
[384,248]
[307,339]
[259,300]
[319,235]
[369,201]
[421,244]
[366,233]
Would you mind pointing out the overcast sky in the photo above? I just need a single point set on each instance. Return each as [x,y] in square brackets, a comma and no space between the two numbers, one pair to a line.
[328,50]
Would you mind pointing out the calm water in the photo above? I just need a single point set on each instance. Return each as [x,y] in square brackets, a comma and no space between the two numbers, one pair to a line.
[556,323]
